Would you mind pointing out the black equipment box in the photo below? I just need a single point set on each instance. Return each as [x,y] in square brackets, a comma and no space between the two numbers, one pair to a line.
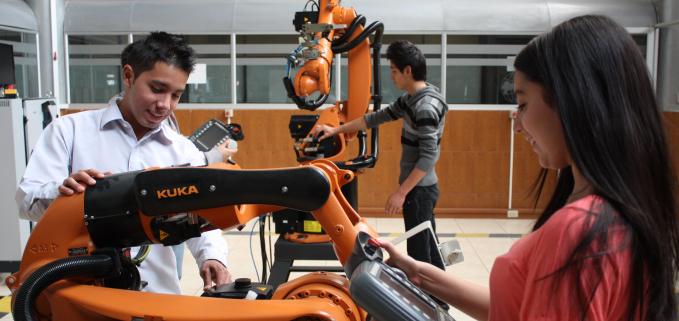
[302,17]
[289,221]
[239,289]
[301,125]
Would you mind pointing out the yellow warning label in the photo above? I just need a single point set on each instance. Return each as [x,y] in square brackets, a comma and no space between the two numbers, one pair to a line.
[262,288]
[312,226]
[5,304]
[163,235]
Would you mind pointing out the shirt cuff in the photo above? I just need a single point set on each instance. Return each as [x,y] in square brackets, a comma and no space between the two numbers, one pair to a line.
[210,254]
[213,156]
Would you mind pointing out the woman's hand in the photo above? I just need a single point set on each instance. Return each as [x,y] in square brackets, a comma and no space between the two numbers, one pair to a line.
[403,262]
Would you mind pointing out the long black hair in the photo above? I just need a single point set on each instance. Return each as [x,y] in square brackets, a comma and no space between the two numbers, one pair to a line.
[595,76]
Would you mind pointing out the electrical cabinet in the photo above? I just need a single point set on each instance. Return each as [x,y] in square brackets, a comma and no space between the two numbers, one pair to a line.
[21,122]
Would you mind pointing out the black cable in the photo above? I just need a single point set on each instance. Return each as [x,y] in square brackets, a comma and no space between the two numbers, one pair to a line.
[312,7]
[270,244]
[262,247]
[359,20]
[50,273]
[359,39]
[377,88]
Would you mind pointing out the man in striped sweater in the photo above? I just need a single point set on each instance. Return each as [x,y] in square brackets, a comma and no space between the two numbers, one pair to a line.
[423,111]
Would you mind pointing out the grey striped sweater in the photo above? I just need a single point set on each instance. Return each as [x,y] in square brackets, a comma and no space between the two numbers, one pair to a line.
[423,119]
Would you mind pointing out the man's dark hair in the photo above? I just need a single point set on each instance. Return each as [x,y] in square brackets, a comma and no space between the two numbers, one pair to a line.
[403,53]
[143,54]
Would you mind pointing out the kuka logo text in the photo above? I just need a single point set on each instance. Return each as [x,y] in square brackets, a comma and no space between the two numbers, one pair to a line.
[179,191]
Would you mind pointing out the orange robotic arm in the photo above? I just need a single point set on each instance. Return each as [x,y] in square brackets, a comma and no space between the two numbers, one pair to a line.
[138,208]
[334,30]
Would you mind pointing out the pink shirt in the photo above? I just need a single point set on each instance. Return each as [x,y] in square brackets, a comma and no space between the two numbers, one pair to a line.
[518,293]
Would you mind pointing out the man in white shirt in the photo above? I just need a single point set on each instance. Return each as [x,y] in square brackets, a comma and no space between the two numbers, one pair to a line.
[129,135]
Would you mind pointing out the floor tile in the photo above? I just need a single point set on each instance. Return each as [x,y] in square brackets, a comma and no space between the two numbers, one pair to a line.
[516,226]
[372,221]
[389,225]
[4,290]
[447,225]
[488,249]
[470,255]
[479,226]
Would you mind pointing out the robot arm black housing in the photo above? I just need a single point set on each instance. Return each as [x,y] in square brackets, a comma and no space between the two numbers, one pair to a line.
[161,192]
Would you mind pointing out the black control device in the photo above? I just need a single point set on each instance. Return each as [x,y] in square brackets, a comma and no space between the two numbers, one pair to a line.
[385,292]
[214,133]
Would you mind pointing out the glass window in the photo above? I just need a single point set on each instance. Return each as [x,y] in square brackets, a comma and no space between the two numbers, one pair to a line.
[430,45]
[94,83]
[216,89]
[641,42]
[25,61]
[479,68]
[215,52]
[94,70]
[262,65]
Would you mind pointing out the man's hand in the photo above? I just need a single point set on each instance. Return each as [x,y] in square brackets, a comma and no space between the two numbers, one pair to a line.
[327,131]
[227,152]
[71,184]
[395,202]
[214,271]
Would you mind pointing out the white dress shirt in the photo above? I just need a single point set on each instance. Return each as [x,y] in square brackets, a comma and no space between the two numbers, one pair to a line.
[103,140]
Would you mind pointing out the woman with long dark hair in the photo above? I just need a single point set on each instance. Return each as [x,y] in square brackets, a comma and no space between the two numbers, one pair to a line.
[606,246]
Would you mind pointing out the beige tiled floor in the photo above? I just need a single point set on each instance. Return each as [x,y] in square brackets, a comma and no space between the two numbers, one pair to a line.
[479,252]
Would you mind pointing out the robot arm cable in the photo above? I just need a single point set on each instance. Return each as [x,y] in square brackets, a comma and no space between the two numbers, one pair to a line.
[375,26]
[143,253]
[312,7]
[360,19]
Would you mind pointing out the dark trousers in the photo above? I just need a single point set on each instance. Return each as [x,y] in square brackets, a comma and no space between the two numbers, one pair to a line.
[418,208]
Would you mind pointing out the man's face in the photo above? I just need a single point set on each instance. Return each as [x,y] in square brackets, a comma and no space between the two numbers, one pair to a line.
[400,78]
[153,95]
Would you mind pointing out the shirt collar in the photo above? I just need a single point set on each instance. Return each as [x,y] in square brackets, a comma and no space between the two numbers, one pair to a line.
[113,113]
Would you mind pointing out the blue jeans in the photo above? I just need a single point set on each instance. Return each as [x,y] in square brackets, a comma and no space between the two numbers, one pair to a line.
[418,207]
[179,256]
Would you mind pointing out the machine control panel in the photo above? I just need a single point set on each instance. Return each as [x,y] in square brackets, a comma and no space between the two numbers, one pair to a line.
[385,292]
[214,133]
